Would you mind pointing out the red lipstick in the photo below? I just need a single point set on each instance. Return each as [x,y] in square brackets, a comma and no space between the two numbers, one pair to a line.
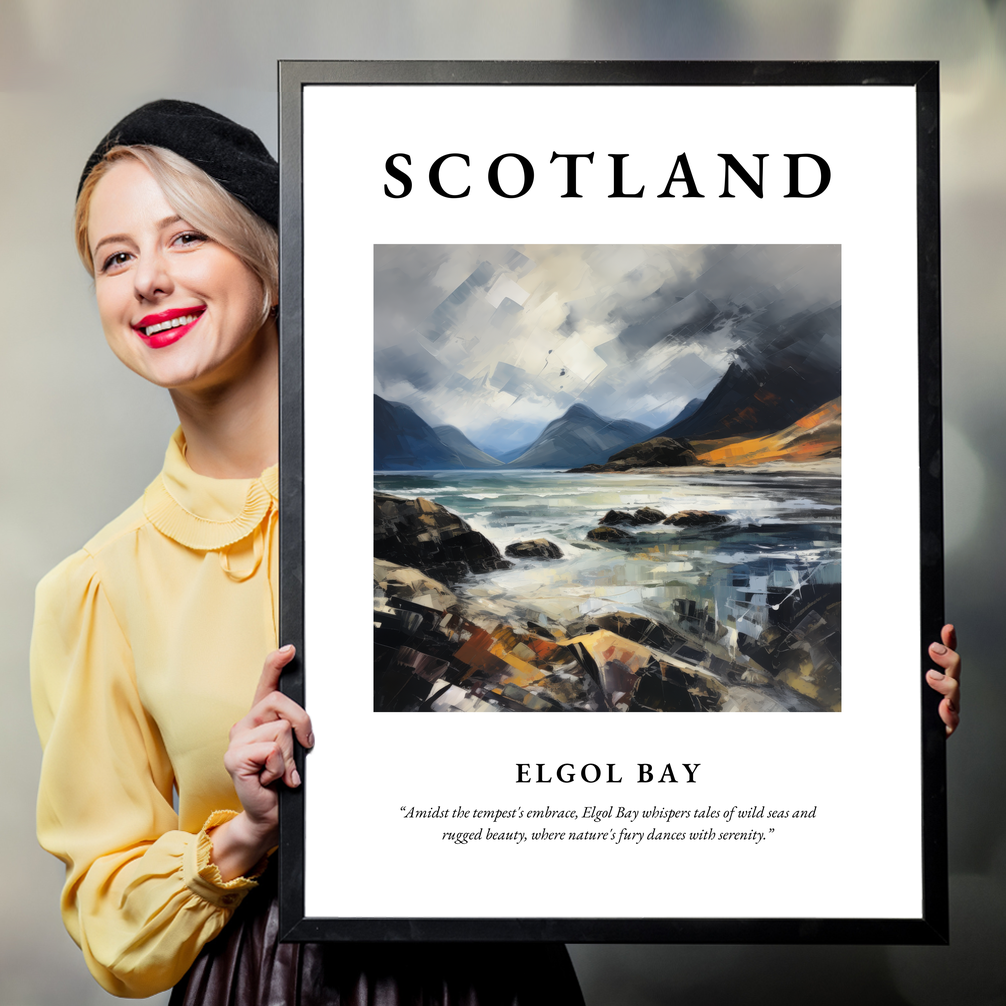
[166,327]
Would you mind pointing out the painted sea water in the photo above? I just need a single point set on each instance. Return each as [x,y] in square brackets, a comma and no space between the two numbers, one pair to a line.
[732,590]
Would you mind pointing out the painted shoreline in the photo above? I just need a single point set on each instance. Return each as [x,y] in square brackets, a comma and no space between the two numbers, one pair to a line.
[489,647]
[819,466]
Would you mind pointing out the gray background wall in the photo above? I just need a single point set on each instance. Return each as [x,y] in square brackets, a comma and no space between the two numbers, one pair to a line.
[82,436]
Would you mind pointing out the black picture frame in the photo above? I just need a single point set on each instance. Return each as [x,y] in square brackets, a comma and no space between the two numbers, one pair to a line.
[931,927]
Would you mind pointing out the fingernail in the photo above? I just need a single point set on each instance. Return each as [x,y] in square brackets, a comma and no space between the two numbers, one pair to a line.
[938,648]
[295,777]
[310,740]
[286,649]
[936,675]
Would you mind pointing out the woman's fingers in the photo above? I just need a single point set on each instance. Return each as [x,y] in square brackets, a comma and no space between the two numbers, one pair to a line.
[947,658]
[951,717]
[274,766]
[261,749]
[271,671]
[277,735]
[270,703]
[949,636]
[260,761]
[947,686]
[949,712]
[277,706]
[947,680]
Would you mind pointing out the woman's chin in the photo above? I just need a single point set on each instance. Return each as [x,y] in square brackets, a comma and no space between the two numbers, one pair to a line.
[172,374]
[197,365]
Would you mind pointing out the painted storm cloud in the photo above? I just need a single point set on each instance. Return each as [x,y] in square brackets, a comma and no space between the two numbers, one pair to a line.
[607,478]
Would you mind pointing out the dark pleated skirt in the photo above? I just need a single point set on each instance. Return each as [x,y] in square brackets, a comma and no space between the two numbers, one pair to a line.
[246,965]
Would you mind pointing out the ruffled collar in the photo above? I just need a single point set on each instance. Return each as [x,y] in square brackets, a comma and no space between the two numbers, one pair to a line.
[203,513]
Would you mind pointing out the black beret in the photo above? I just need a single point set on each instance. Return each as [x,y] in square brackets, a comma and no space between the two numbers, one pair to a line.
[231,154]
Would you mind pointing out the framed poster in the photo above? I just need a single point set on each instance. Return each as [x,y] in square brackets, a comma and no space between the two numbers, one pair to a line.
[654,428]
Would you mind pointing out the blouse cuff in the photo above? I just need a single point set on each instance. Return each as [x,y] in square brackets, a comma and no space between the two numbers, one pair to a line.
[202,876]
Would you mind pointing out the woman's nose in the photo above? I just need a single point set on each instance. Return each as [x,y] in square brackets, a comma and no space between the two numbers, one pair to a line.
[152,277]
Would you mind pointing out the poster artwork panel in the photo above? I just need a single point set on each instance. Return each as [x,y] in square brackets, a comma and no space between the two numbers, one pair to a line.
[607,478]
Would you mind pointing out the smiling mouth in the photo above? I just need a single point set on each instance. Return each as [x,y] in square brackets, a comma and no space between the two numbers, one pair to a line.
[167,321]
[185,319]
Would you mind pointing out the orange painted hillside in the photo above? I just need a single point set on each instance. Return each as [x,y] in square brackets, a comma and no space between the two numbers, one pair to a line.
[814,436]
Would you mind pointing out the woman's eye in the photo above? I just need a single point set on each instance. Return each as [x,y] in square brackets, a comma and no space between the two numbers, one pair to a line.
[114,261]
[190,238]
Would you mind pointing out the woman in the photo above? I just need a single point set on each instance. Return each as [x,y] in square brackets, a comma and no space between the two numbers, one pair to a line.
[149,642]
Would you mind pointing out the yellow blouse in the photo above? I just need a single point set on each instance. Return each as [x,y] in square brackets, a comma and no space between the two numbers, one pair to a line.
[147,647]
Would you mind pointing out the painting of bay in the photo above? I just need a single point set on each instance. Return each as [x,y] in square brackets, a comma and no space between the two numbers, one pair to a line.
[607,478]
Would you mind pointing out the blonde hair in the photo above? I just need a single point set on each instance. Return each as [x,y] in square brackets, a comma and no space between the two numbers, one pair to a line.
[199,200]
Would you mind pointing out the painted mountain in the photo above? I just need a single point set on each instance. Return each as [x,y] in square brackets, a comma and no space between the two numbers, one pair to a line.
[404,441]
[514,453]
[689,410]
[469,455]
[580,437]
[815,435]
[796,370]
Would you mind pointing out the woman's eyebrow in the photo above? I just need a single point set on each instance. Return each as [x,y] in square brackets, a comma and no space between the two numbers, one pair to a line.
[160,225]
[110,240]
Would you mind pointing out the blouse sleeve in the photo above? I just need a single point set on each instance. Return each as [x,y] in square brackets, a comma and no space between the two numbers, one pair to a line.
[141,898]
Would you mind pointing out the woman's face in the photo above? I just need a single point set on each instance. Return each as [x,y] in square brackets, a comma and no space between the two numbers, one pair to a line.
[177,308]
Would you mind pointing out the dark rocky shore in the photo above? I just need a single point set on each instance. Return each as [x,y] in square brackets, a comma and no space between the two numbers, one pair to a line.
[439,646]
[424,534]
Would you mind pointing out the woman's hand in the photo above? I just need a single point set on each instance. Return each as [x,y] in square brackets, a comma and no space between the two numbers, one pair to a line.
[260,753]
[948,681]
